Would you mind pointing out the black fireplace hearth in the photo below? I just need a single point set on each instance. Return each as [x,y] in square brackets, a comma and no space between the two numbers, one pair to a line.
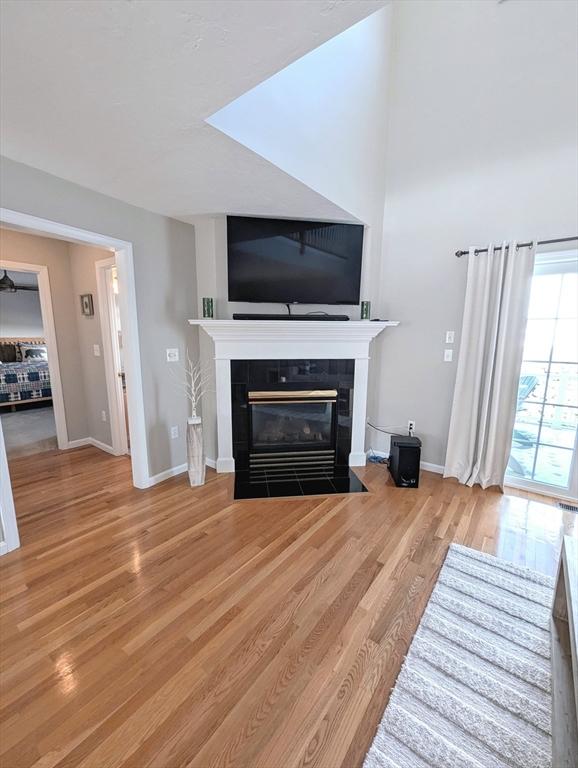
[292,427]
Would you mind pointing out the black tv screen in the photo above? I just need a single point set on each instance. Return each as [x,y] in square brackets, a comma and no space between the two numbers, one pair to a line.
[293,262]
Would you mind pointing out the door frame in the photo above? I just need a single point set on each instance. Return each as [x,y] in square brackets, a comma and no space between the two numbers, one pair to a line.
[123,251]
[49,334]
[113,384]
[9,539]
[547,262]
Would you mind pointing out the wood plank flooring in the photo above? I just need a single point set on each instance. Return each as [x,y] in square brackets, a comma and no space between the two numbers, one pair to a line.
[177,627]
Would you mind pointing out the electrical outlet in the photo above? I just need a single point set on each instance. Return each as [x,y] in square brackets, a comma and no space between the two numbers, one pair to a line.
[96,350]
[411,425]
[103,415]
[448,355]
[172,355]
[174,432]
[450,337]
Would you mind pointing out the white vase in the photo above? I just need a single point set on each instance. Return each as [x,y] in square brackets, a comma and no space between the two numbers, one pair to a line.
[195,451]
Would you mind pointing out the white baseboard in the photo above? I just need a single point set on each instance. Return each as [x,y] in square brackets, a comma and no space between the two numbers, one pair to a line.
[174,471]
[76,443]
[437,468]
[89,441]
[102,446]
[425,465]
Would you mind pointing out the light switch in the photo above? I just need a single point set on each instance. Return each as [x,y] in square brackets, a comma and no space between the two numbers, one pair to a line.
[448,355]
[172,355]
[96,350]
[450,337]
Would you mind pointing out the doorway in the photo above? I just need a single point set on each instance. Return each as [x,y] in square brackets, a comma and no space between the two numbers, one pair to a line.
[544,455]
[26,409]
[33,381]
[113,353]
[122,251]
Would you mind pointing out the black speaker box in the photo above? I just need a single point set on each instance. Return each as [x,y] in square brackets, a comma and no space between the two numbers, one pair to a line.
[404,456]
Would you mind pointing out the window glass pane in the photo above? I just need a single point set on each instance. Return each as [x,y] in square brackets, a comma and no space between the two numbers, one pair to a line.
[559,426]
[562,384]
[529,413]
[553,466]
[539,337]
[569,296]
[525,432]
[532,386]
[521,460]
[565,342]
[544,434]
[544,296]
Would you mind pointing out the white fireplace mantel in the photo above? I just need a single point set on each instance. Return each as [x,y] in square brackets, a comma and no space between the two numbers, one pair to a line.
[290,340]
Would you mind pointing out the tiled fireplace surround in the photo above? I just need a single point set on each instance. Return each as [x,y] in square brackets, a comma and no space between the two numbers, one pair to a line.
[286,377]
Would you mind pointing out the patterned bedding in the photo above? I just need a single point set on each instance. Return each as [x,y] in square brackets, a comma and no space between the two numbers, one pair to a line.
[24,381]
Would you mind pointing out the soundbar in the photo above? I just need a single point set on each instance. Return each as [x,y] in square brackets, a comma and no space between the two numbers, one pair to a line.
[244,316]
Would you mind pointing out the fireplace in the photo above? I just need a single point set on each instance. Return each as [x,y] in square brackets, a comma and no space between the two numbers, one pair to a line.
[292,427]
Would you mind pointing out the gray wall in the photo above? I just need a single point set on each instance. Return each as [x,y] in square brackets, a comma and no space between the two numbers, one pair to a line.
[164,254]
[481,147]
[20,315]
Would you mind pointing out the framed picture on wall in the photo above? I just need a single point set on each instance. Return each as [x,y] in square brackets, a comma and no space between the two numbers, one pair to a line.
[86,305]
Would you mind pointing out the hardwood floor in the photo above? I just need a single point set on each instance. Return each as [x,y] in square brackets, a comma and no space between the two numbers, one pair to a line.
[176,627]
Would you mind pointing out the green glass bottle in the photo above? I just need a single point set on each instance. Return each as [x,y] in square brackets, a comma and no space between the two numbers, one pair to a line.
[207,307]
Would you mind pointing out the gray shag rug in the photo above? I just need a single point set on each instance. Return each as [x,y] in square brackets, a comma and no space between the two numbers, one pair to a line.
[474,689]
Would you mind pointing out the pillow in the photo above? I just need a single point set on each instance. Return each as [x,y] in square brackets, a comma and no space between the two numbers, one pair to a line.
[8,352]
[29,352]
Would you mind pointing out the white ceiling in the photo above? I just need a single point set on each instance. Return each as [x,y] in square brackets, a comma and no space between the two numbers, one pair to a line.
[114,96]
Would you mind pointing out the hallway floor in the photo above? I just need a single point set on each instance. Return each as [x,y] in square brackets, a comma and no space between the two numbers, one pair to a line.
[29,431]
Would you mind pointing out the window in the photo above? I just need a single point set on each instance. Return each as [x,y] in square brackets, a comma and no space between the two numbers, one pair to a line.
[544,436]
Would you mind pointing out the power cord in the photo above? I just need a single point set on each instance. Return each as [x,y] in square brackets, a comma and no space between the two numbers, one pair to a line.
[373,458]
[386,430]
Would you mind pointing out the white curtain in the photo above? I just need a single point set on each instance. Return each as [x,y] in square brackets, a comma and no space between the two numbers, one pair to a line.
[491,347]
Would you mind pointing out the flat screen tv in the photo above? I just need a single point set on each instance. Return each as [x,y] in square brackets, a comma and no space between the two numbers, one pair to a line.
[293,262]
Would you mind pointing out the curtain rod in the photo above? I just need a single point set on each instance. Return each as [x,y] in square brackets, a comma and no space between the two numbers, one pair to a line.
[520,245]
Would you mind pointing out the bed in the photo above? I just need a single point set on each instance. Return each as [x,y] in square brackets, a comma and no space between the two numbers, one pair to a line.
[24,374]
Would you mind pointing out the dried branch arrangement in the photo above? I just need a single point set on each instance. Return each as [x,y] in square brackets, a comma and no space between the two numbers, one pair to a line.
[194,380]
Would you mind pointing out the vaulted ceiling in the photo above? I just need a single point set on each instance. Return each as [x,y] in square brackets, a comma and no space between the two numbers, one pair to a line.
[114,96]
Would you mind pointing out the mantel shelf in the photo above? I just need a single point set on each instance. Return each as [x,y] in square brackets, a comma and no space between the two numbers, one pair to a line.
[293,330]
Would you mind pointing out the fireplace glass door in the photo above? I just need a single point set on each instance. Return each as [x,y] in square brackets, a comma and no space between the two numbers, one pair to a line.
[280,424]
[298,426]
